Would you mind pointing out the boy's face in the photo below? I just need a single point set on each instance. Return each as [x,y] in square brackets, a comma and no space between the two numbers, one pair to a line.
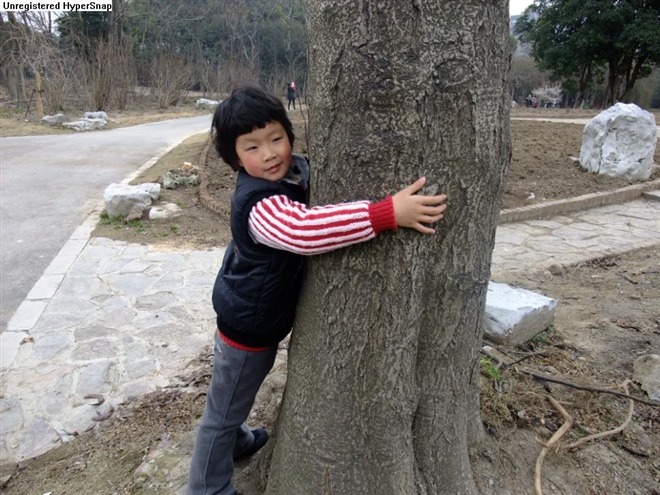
[265,153]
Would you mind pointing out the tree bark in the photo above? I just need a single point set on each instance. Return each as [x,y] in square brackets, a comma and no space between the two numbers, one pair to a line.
[382,394]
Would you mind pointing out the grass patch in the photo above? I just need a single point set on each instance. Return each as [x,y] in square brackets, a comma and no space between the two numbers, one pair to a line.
[118,222]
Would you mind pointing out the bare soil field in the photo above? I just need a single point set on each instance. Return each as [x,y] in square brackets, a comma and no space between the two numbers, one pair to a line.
[607,316]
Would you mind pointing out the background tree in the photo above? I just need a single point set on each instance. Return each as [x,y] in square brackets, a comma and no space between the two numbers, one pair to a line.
[525,76]
[103,56]
[575,40]
[231,41]
[547,95]
[33,66]
[382,394]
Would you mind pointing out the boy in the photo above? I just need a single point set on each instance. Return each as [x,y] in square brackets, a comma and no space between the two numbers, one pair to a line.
[256,291]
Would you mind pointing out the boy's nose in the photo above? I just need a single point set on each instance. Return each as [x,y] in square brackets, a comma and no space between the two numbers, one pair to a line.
[269,154]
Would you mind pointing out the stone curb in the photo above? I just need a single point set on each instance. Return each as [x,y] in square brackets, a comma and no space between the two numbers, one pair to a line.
[587,201]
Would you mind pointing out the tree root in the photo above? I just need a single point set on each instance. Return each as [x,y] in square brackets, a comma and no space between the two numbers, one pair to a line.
[567,426]
[566,383]
[631,408]
[568,419]
[555,438]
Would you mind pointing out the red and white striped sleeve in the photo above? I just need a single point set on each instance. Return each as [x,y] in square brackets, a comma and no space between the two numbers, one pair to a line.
[281,223]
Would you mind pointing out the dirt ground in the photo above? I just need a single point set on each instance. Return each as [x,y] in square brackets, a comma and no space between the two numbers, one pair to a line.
[541,164]
[142,108]
[607,316]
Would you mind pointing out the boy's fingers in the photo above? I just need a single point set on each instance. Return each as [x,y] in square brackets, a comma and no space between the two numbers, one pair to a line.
[415,186]
[423,229]
[431,218]
[432,210]
[431,200]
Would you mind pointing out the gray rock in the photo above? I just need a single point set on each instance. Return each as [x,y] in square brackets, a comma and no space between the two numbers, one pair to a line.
[646,371]
[174,181]
[165,211]
[620,142]
[203,102]
[86,124]
[152,188]
[515,315]
[95,115]
[54,120]
[121,199]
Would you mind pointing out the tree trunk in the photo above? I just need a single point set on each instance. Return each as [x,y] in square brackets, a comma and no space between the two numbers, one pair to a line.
[631,78]
[382,394]
[612,83]
[583,84]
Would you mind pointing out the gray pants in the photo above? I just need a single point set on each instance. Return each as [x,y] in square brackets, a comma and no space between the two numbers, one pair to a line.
[223,434]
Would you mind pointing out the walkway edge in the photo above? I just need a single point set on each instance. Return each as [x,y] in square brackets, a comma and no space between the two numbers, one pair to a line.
[559,207]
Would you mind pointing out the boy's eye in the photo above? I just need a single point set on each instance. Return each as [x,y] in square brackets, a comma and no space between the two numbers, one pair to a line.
[278,138]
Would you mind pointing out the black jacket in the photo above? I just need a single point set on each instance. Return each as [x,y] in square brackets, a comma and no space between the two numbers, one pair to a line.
[290,93]
[256,291]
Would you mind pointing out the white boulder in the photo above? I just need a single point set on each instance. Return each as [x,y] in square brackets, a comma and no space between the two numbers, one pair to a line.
[124,200]
[164,211]
[54,120]
[515,315]
[203,102]
[86,124]
[95,115]
[646,372]
[152,188]
[620,142]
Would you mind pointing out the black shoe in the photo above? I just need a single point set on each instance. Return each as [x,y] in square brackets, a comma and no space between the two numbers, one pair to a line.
[260,439]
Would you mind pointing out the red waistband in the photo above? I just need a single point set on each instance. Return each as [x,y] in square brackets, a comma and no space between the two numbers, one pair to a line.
[242,347]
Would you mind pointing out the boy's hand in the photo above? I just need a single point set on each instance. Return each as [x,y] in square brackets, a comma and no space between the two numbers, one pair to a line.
[411,210]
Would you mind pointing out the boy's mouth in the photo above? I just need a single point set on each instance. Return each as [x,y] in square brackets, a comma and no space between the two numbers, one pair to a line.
[273,169]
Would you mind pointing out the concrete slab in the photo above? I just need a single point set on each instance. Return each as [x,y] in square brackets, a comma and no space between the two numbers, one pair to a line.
[515,315]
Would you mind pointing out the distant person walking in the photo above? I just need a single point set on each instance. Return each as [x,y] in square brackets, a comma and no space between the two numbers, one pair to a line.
[291,95]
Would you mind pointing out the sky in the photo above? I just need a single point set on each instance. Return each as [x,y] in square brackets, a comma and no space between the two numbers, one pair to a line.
[516,7]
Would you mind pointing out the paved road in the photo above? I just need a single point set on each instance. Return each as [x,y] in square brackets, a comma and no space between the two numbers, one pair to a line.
[49,184]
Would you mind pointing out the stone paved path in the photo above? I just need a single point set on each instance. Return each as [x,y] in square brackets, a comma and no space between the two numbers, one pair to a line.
[571,238]
[121,320]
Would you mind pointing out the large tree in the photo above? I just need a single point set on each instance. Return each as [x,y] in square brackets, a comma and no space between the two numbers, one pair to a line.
[382,394]
[577,39]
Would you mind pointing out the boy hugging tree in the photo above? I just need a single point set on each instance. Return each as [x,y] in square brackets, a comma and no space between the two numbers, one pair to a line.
[256,290]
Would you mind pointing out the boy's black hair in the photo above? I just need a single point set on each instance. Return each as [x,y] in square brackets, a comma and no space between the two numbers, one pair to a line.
[247,108]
